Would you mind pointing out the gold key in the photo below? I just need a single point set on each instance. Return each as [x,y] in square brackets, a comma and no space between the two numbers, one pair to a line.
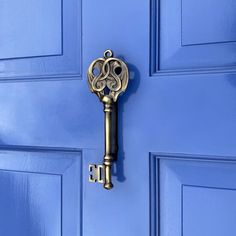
[109,81]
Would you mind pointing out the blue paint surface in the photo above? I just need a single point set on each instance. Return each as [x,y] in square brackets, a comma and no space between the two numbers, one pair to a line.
[40,192]
[213,26]
[30,28]
[177,120]
[196,195]
[40,39]
[194,35]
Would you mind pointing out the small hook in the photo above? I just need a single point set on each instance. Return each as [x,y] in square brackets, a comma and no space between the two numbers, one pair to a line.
[108,53]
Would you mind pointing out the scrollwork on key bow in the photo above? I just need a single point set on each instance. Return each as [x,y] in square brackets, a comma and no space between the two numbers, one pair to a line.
[108,76]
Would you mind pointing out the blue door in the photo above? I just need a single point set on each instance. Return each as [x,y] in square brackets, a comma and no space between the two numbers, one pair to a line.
[176,168]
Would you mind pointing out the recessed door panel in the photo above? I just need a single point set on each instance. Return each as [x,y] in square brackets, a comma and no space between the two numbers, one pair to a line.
[208,22]
[24,203]
[40,192]
[193,196]
[40,39]
[208,211]
[30,28]
[193,36]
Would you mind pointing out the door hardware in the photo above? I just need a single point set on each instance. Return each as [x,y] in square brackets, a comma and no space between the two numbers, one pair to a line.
[107,77]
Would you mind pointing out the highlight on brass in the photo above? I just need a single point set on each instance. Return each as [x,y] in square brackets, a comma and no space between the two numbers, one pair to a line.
[107,77]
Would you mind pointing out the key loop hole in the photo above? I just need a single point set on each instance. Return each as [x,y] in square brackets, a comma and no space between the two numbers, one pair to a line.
[108,53]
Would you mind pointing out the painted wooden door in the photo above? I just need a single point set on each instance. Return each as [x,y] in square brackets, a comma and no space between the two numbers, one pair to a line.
[176,168]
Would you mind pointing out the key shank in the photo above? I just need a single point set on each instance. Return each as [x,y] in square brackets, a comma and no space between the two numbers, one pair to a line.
[111,146]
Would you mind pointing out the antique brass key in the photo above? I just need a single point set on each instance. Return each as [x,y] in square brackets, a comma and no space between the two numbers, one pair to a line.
[107,77]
